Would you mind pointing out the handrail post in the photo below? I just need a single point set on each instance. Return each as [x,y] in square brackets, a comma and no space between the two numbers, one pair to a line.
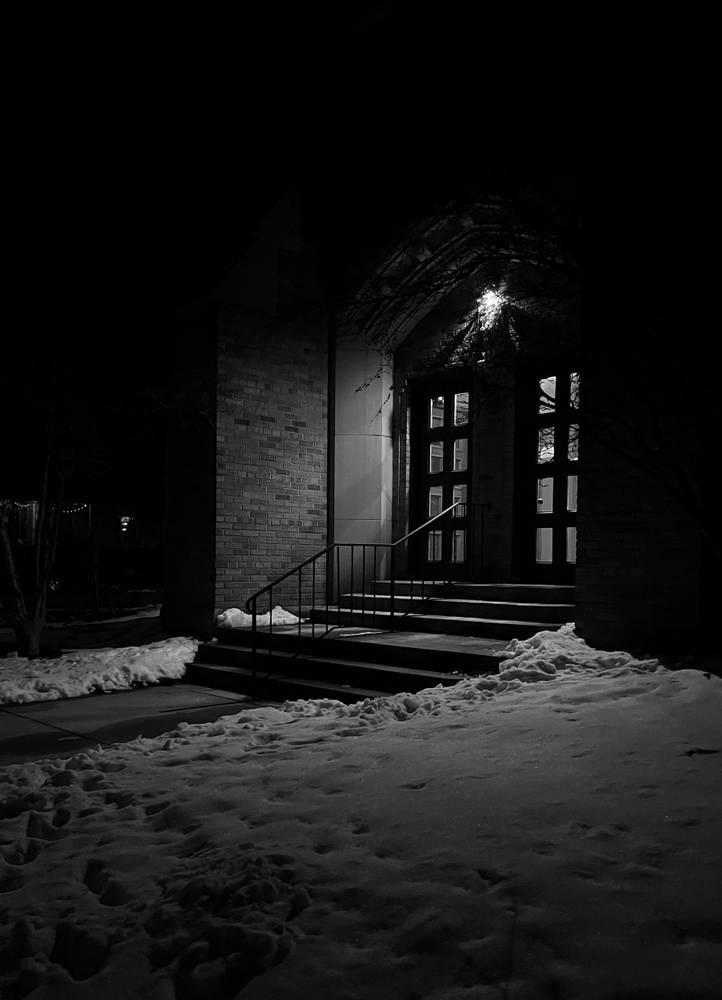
[363,581]
[351,591]
[254,628]
[254,640]
[392,588]
[313,598]
[483,541]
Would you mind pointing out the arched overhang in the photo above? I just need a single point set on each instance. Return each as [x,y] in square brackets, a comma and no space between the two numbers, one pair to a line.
[440,267]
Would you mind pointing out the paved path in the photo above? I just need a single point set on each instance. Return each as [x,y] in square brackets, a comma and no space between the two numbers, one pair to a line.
[62,728]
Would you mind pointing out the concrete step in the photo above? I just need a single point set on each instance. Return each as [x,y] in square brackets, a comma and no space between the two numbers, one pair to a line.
[420,650]
[274,686]
[462,607]
[530,593]
[354,673]
[449,624]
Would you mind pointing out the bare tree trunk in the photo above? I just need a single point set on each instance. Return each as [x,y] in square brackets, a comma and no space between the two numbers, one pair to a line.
[27,627]
[27,636]
[25,608]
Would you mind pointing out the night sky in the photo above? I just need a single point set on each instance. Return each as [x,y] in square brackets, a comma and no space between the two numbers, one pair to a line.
[146,153]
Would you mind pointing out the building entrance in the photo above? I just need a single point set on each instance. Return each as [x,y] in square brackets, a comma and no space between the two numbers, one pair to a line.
[441,430]
[547,476]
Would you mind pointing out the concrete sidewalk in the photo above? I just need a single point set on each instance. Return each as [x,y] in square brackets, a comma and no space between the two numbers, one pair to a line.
[64,727]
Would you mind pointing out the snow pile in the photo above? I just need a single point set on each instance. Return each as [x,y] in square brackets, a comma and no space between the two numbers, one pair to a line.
[546,656]
[88,671]
[548,652]
[235,618]
[547,835]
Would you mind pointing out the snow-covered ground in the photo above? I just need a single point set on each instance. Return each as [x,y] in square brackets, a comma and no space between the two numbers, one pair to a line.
[236,618]
[89,671]
[552,832]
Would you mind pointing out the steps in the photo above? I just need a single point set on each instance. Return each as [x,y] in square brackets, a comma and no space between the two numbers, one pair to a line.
[502,611]
[359,649]
[346,664]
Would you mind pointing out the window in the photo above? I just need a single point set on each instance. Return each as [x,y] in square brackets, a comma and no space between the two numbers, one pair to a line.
[574,390]
[436,411]
[433,547]
[545,446]
[544,544]
[461,408]
[573,449]
[461,454]
[436,457]
[458,546]
[571,545]
[547,394]
[545,496]
[459,496]
[436,498]
[572,482]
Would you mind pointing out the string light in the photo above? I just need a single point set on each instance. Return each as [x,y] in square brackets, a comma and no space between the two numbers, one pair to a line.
[74,508]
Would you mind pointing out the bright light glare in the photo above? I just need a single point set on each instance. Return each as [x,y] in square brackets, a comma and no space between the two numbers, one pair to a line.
[490,305]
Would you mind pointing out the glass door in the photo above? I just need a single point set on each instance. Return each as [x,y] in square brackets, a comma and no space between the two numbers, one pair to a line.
[441,433]
[550,540]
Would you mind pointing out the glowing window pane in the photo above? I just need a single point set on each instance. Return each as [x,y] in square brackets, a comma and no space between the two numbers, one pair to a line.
[547,394]
[572,482]
[461,408]
[459,496]
[458,546]
[433,546]
[436,494]
[436,456]
[461,454]
[544,496]
[574,390]
[571,545]
[436,411]
[545,447]
[544,543]
[573,449]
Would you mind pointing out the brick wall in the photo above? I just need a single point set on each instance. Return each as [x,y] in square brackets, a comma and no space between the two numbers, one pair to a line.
[639,552]
[271,493]
[189,521]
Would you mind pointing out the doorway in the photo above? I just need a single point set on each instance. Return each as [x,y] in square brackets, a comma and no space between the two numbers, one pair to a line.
[547,475]
[441,431]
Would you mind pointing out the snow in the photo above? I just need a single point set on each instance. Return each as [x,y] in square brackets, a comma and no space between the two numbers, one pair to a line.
[88,671]
[235,618]
[550,832]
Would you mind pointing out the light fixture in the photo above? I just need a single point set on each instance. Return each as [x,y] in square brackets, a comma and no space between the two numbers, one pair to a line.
[489,306]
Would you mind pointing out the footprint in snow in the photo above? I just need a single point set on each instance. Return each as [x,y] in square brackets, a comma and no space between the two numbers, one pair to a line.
[156,807]
[490,877]
[100,882]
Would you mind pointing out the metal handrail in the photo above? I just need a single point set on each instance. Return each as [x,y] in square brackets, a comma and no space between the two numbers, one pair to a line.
[333,545]
[431,520]
[251,604]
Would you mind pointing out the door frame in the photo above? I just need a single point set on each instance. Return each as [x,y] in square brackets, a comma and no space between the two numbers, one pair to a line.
[528,517]
[422,389]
